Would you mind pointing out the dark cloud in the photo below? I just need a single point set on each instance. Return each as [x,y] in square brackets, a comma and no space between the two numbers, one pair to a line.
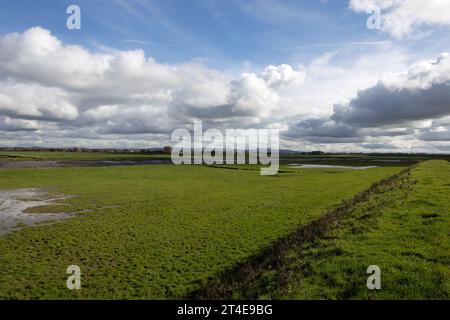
[330,131]
[380,105]
[322,131]
[397,107]
[421,93]
[378,146]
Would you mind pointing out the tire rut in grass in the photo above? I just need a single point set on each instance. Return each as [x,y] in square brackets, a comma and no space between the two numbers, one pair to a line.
[243,281]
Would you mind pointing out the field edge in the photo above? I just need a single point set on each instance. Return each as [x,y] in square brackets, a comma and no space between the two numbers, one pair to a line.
[241,281]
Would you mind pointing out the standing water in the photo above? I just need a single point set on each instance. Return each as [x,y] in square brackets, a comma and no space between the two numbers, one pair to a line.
[322,166]
[13,203]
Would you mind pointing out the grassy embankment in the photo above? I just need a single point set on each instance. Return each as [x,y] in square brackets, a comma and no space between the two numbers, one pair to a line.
[403,228]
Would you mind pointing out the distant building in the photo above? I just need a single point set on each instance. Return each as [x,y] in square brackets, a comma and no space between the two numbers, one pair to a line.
[167,150]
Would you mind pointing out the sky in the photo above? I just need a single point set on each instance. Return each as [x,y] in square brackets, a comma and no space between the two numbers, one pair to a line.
[332,75]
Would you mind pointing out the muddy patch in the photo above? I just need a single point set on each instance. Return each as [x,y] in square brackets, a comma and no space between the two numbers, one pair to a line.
[15,208]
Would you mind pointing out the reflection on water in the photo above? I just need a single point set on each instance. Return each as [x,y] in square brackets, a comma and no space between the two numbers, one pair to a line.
[322,166]
[13,203]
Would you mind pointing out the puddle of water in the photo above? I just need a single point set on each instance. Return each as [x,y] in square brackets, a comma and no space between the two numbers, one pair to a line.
[388,161]
[322,166]
[13,203]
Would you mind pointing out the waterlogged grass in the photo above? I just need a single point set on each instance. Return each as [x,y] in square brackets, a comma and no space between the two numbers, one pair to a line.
[404,231]
[159,231]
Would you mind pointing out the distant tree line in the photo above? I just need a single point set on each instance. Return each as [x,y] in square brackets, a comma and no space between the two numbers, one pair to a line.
[163,150]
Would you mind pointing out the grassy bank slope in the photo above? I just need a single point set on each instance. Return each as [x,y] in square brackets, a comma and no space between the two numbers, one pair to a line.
[405,231]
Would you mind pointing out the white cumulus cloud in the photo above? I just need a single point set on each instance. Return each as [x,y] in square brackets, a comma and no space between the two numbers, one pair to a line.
[401,18]
[128,92]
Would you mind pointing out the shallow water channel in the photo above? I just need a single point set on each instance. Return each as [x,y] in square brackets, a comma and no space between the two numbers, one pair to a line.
[322,166]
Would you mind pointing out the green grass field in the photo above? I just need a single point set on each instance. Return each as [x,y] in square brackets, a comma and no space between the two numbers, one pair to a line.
[404,230]
[160,231]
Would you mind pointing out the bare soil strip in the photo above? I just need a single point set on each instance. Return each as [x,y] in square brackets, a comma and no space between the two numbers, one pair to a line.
[245,275]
